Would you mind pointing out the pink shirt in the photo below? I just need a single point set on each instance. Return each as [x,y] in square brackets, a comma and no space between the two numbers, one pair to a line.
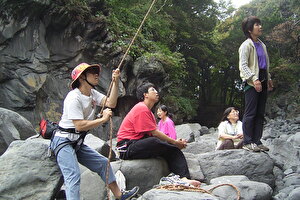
[137,123]
[168,128]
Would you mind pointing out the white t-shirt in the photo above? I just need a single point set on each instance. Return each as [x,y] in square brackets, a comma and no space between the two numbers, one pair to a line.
[78,106]
[227,128]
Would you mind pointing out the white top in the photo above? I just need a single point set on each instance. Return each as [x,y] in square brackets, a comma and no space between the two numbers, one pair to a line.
[227,128]
[78,106]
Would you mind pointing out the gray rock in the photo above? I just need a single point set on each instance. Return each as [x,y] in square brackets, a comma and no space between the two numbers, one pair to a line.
[92,186]
[228,179]
[295,194]
[285,192]
[184,130]
[288,171]
[295,140]
[159,194]
[249,190]
[201,146]
[194,167]
[99,145]
[292,179]
[256,166]
[27,172]
[13,127]
[204,130]
[280,196]
[279,184]
[143,172]
[145,69]
[283,153]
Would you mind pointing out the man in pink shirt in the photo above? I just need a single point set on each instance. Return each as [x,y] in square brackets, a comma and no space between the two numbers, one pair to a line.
[139,138]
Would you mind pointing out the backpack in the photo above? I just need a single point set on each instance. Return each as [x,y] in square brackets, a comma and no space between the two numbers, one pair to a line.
[47,128]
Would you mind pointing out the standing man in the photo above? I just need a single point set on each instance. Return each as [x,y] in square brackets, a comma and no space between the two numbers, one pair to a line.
[139,138]
[254,71]
[78,118]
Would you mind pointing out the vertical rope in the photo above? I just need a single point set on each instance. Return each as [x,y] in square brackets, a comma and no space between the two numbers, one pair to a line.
[109,157]
[127,50]
[109,91]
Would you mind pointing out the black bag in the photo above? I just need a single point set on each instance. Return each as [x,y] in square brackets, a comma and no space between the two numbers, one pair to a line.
[47,128]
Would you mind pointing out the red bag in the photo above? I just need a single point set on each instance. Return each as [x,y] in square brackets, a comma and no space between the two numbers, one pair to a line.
[47,128]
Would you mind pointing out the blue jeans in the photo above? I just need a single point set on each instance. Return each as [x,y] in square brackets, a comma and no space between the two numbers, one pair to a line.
[68,159]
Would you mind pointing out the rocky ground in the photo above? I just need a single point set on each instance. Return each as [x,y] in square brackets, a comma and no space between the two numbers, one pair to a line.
[27,172]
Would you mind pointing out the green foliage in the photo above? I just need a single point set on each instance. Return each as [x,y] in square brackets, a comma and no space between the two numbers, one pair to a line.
[157,37]
[285,75]
[184,108]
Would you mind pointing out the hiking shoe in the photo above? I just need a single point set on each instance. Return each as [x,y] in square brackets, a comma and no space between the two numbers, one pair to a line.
[251,147]
[128,194]
[263,147]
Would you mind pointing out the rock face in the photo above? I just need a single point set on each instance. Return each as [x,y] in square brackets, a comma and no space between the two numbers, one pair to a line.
[27,172]
[13,127]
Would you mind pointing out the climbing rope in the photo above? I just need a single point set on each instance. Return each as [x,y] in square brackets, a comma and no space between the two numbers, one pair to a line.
[109,158]
[174,187]
[109,91]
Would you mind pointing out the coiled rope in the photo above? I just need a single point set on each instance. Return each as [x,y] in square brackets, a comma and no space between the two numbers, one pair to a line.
[174,187]
[109,91]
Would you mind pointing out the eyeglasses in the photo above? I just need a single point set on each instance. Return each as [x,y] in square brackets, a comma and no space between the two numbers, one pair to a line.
[235,112]
[152,89]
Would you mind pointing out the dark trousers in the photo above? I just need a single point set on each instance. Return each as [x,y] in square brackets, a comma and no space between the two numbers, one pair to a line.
[255,104]
[152,147]
[229,144]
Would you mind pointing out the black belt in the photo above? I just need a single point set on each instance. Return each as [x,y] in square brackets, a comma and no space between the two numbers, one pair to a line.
[69,130]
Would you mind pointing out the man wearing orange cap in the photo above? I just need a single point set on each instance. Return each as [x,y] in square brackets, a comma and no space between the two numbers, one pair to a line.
[77,118]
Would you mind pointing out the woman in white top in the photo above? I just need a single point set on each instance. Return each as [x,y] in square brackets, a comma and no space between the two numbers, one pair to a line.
[230,130]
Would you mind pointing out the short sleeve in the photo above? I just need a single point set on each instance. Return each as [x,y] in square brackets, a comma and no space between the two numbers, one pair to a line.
[97,97]
[144,121]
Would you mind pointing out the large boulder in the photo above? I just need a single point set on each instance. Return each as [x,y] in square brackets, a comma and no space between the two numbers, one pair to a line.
[203,145]
[227,187]
[13,127]
[188,132]
[27,172]
[284,152]
[256,166]
[194,167]
[142,172]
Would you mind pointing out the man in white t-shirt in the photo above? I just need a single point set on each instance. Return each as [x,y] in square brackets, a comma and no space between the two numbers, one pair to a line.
[77,118]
